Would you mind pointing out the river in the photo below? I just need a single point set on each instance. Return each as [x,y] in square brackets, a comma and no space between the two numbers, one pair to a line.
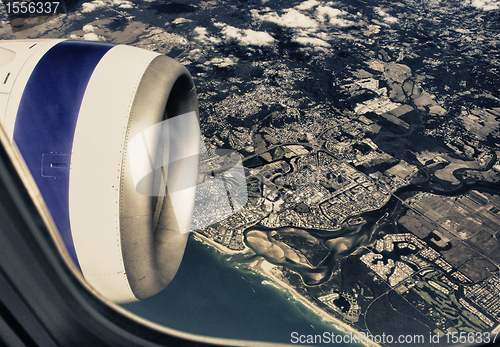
[211,295]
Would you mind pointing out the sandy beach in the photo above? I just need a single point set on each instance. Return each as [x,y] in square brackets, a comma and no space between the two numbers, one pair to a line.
[266,269]
[214,244]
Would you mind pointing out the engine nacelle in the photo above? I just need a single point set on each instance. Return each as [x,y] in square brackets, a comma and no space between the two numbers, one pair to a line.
[85,117]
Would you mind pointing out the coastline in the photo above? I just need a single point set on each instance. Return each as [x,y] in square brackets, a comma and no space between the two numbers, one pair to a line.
[218,246]
[265,268]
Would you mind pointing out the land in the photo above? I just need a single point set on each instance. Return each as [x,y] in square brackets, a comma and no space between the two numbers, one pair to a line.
[370,139]
[378,207]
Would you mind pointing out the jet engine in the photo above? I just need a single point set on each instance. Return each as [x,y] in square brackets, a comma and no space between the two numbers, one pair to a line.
[110,134]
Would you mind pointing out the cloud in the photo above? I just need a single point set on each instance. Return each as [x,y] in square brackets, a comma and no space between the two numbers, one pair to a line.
[91,37]
[123,3]
[181,20]
[307,5]
[486,5]
[89,28]
[385,16]
[31,20]
[246,37]
[333,13]
[88,7]
[202,36]
[311,41]
[291,18]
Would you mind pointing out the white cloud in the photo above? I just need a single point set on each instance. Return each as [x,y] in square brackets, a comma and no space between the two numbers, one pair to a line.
[385,16]
[486,5]
[92,6]
[31,20]
[341,22]
[200,30]
[307,5]
[181,20]
[88,7]
[202,36]
[332,14]
[322,35]
[246,36]
[292,18]
[91,37]
[123,3]
[311,41]
[89,28]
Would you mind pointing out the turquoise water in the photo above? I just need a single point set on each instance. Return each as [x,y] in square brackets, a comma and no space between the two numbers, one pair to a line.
[211,297]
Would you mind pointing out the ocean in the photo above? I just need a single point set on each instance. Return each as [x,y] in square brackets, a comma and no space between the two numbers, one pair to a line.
[210,297]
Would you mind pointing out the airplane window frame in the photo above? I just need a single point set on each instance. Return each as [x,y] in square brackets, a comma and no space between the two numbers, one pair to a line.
[44,299]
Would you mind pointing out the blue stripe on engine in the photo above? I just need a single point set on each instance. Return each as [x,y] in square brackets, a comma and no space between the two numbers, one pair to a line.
[46,121]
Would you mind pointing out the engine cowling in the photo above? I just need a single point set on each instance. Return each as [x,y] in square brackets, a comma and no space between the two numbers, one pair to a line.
[120,188]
